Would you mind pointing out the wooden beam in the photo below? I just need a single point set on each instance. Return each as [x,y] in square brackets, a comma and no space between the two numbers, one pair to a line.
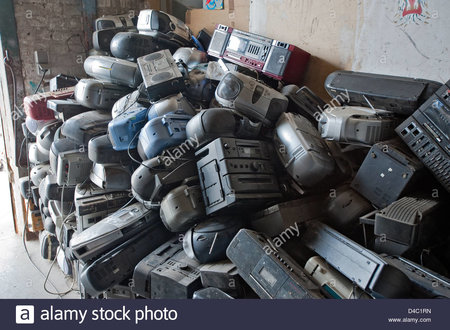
[11,80]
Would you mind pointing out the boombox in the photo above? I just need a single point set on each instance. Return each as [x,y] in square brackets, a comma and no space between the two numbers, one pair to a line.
[69,228]
[250,97]
[59,146]
[211,124]
[287,216]
[427,134]
[211,293]
[58,212]
[200,90]
[284,62]
[48,245]
[130,46]
[62,81]
[274,58]
[35,106]
[357,125]
[175,104]
[333,282]
[65,109]
[44,199]
[204,37]
[161,75]
[236,173]
[45,136]
[388,171]
[96,94]
[191,57]
[301,150]
[182,207]
[363,267]
[157,176]
[219,41]
[114,21]
[112,231]
[43,208]
[270,272]
[304,102]
[119,291]
[162,133]
[409,221]
[129,102]
[101,40]
[101,151]
[50,190]
[160,24]
[426,283]
[64,263]
[207,242]
[83,127]
[24,184]
[34,126]
[35,156]
[35,196]
[344,208]
[177,278]
[112,176]
[73,167]
[58,135]
[142,271]
[49,225]
[38,173]
[93,204]
[113,70]
[65,223]
[223,275]
[123,129]
[398,94]
[118,264]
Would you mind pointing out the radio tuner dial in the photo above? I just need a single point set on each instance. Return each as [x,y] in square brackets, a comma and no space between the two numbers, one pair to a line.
[255,166]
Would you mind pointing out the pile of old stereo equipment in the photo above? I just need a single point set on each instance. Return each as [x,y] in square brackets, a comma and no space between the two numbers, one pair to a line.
[195,168]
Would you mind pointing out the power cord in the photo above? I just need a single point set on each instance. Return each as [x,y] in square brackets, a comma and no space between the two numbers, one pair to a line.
[25,228]
[44,71]
[46,277]
[60,248]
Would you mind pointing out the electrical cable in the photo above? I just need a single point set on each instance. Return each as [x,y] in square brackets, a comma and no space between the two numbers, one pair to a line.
[25,229]
[60,248]
[46,277]
[44,71]
[20,153]
[129,154]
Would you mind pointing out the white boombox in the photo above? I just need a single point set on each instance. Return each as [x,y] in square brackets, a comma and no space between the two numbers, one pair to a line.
[161,75]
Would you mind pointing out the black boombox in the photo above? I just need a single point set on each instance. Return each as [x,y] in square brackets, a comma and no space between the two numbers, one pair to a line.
[118,264]
[235,172]
[427,134]
[269,271]
[142,272]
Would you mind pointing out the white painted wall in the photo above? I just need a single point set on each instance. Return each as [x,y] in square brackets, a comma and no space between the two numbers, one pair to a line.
[364,35]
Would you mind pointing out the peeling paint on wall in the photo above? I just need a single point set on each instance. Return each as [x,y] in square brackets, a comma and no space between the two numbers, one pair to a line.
[399,37]
[405,37]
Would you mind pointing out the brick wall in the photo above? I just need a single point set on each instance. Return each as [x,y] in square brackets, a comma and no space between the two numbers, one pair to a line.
[56,26]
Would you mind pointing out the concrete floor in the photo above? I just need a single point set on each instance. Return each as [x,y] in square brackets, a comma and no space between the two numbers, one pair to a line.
[18,278]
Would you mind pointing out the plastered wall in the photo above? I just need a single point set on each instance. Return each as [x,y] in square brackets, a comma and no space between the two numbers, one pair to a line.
[399,37]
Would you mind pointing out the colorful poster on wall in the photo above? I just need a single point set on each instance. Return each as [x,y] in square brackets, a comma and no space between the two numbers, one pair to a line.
[412,11]
[212,4]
